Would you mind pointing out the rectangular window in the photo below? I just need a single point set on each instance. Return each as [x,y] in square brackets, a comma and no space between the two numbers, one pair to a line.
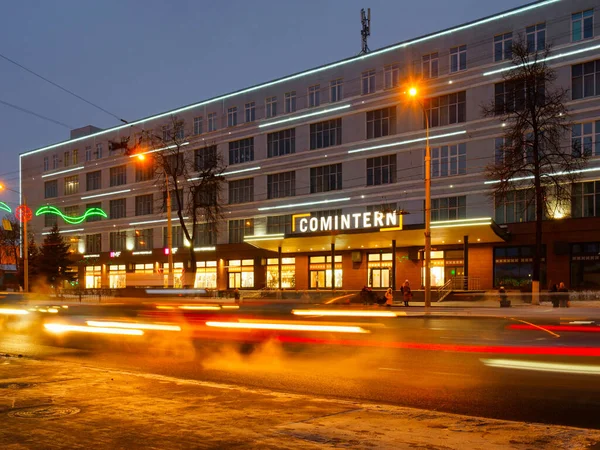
[503,46]
[449,160]
[118,241]
[325,134]
[281,143]
[279,224]
[93,243]
[117,208]
[536,37]
[46,164]
[177,241]
[144,204]
[326,178]
[381,170]
[118,175]
[93,180]
[335,90]
[449,208]
[232,117]
[281,185]
[290,102]
[585,140]
[512,96]
[368,82]
[50,220]
[198,125]
[458,58]
[241,191]
[240,228]
[72,211]
[144,239]
[98,151]
[205,235]
[67,159]
[320,272]
[381,122]
[174,194]
[55,161]
[585,79]
[515,206]
[314,96]
[585,199]
[93,218]
[383,207]
[271,105]
[446,109]
[144,171]
[76,156]
[72,185]
[205,158]
[241,151]
[250,112]
[582,25]
[391,76]
[513,266]
[430,65]
[212,122]
[88,153]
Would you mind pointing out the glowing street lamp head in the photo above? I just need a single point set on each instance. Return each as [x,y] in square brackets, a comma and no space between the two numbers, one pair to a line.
[412,91]
[141,157]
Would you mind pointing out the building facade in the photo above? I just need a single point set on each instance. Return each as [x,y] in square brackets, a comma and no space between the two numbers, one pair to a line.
[316,161]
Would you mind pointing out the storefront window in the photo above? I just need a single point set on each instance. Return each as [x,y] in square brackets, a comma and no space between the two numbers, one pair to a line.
[379,270]
[241,273]
[117,276]
[288,273]
[177,274]
[513,267]
[206,275]
[93,277]
[320,272]
[585,266]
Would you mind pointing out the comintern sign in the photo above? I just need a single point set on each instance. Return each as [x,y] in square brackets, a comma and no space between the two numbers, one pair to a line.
[377,220]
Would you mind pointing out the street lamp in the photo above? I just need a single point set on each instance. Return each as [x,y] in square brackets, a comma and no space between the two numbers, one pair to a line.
[412,92]
[25,251]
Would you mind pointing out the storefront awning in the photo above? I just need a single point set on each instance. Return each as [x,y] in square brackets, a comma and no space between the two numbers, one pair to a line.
[479,231]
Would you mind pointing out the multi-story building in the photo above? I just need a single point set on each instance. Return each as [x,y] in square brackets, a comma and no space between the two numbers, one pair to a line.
[318,160]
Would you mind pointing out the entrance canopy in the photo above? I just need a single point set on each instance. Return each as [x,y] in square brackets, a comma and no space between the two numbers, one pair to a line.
[480,230]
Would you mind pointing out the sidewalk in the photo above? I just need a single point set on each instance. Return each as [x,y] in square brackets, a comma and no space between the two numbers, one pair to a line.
[58,405]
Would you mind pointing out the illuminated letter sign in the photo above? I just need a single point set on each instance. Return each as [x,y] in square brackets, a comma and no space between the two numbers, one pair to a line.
[377,220]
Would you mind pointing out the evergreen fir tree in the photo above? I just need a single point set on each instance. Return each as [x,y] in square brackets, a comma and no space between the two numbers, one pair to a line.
[54,259]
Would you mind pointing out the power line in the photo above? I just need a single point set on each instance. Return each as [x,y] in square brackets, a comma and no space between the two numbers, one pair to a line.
[27,111]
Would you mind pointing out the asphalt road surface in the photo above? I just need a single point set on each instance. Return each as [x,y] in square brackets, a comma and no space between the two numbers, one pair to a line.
[543,368]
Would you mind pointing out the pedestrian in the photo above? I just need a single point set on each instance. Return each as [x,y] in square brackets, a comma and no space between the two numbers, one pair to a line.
[364,295]
[554,295]
[236,296]
[389,297]
[563,293]
[406,293]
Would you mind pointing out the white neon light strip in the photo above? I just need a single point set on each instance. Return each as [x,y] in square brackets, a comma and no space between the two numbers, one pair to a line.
[478,219]
[249,169]
[304,116]
[92,255]
[159,149]
[62,171]
[154,221]
[264,237]
[410,141]
[142,252]
[335,200]
[475,224]
[204,249]
[307,72]
[549,58]
[74,230]
[106,193]
[530,177]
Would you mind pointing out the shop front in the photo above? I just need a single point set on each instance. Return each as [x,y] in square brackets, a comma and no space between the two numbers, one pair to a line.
[288,273]
[240,274]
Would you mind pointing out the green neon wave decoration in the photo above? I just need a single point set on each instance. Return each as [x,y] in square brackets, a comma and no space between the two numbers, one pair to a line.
[5,207]
[71,220]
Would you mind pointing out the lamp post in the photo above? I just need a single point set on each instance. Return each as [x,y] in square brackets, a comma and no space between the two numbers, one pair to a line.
[171,275]
[413,93]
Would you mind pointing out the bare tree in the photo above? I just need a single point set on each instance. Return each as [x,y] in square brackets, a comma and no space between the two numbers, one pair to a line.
[533,162]
[195,179]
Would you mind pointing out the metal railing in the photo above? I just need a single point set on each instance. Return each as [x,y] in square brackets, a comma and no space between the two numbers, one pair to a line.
[464,283]
[445,290]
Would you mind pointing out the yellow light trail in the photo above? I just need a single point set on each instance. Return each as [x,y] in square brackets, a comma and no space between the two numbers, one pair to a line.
[52,310]
[138,326]
[287,327]
[60,328]
[13,312]
[341,313]
[200,307]
[543,366]
[230,307]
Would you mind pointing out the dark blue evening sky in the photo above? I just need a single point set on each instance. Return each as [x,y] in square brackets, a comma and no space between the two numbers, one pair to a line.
[137,58]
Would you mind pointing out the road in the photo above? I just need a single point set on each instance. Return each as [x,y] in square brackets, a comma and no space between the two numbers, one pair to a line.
[534,367]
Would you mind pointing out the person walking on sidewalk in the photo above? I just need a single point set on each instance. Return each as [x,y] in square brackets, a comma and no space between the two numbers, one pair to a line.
[389,297]
[406,293]
[563,293]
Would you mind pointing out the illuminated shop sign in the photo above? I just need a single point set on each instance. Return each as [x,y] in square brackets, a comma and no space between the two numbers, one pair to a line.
[377,220]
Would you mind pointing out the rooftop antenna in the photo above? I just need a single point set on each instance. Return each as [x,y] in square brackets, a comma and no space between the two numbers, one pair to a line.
[365,20]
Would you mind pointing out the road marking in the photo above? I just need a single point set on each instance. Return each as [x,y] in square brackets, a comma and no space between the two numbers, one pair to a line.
[536,326]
